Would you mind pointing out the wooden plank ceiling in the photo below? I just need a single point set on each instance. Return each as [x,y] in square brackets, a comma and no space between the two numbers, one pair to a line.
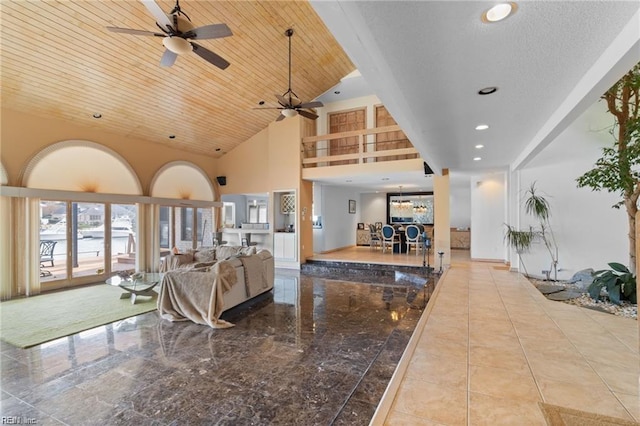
[59,61]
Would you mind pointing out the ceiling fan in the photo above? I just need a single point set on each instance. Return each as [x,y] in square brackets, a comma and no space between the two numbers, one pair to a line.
[178,32]
[290,103]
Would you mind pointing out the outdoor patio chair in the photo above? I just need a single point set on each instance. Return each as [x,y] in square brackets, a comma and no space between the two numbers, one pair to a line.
[46,251]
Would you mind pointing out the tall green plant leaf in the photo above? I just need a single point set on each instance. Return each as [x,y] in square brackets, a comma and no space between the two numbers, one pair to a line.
[537,205]
[618,267]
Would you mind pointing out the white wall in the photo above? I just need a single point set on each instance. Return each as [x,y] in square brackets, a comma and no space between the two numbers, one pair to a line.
[488,216]
[338,226]
[460,205]
[374,207]
[318,234]
[588,231]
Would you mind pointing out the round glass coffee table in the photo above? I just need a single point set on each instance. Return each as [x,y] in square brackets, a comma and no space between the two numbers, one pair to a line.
[140,283]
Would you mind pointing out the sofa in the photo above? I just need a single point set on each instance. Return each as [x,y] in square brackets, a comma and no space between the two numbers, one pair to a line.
[200,287]
[202,257]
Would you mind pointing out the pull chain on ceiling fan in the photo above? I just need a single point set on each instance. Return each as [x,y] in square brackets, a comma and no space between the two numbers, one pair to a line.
[290,103]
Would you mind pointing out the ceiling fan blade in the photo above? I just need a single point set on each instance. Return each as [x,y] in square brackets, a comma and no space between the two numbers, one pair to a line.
[208,32]
[168,58]
[209,56]
[307,114]
[315,104]
[134,32]
[282,101]
[280,117]
[159,15]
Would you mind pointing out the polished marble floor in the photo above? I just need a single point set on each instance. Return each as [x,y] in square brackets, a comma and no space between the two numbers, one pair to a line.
[315,351]
[486,351]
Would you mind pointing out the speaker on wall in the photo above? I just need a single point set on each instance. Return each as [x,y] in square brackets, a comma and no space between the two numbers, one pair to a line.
[222,180]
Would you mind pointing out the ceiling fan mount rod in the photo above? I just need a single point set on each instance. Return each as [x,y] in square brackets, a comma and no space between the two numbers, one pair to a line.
[289,34]
[176,10]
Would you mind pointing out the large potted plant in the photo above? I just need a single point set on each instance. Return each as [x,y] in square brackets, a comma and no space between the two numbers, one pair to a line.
[535,205]
[618,170]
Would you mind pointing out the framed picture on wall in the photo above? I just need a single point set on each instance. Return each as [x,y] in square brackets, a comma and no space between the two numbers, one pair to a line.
[360,225]
[352,206]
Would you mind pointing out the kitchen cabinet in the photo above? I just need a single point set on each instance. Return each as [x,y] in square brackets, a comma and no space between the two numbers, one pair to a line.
[284,246]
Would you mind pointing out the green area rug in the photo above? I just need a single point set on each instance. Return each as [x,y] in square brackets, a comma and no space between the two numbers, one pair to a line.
[33,320]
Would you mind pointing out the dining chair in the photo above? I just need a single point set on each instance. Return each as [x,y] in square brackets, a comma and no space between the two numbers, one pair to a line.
[389,238]
[413,238]
[375,237]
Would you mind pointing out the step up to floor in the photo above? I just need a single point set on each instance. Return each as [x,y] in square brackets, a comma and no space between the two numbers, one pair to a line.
[362,272]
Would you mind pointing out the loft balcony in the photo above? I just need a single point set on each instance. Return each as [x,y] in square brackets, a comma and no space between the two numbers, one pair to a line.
[367,151]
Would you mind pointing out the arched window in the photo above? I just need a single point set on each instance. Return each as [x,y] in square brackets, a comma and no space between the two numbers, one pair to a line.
[90,236]
[81,166]
[184,227]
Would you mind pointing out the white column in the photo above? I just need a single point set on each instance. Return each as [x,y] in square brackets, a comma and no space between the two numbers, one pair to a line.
[441,218]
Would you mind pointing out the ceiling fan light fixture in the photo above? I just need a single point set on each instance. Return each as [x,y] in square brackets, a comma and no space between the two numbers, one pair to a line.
[177,45]
[289,112]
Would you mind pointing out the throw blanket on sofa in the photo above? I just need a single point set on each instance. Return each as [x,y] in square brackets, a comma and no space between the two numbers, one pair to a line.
[255,279]
[197,296]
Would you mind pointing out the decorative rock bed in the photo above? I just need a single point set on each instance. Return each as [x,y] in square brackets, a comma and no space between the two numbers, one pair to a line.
[573,294]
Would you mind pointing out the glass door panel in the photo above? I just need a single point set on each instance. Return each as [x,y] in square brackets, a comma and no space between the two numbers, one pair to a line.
[166,231]
[89,257]
[53,240]
[123,237]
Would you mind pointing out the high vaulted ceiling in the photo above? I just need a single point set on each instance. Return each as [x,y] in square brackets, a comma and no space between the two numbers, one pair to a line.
[425,60]
[59,61]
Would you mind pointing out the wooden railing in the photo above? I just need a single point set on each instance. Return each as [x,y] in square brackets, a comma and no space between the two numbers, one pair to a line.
[316,150]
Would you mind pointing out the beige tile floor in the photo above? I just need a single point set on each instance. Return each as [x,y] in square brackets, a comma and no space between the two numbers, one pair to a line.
[489,347]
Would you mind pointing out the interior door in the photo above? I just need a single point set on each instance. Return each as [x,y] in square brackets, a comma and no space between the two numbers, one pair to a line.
[344,122]
[390,140]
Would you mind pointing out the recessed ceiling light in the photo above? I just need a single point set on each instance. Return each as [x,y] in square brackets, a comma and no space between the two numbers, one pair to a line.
[97,115]
[337,92]
[488,90]
[477,158]
[479,146]
[499,12]
[172,136]
[482,127]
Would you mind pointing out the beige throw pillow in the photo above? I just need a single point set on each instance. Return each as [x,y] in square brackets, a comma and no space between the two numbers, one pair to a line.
[205,255]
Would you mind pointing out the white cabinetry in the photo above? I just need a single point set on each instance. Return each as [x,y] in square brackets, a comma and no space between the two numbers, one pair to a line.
[284,246]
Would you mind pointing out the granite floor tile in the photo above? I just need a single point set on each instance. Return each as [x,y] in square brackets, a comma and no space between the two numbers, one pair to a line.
[431,401]
[502,383]
[513,360]
[591,398]
[398,418]
[331,348]
[438,370]
[493,411]
[631,403]
[618,379]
